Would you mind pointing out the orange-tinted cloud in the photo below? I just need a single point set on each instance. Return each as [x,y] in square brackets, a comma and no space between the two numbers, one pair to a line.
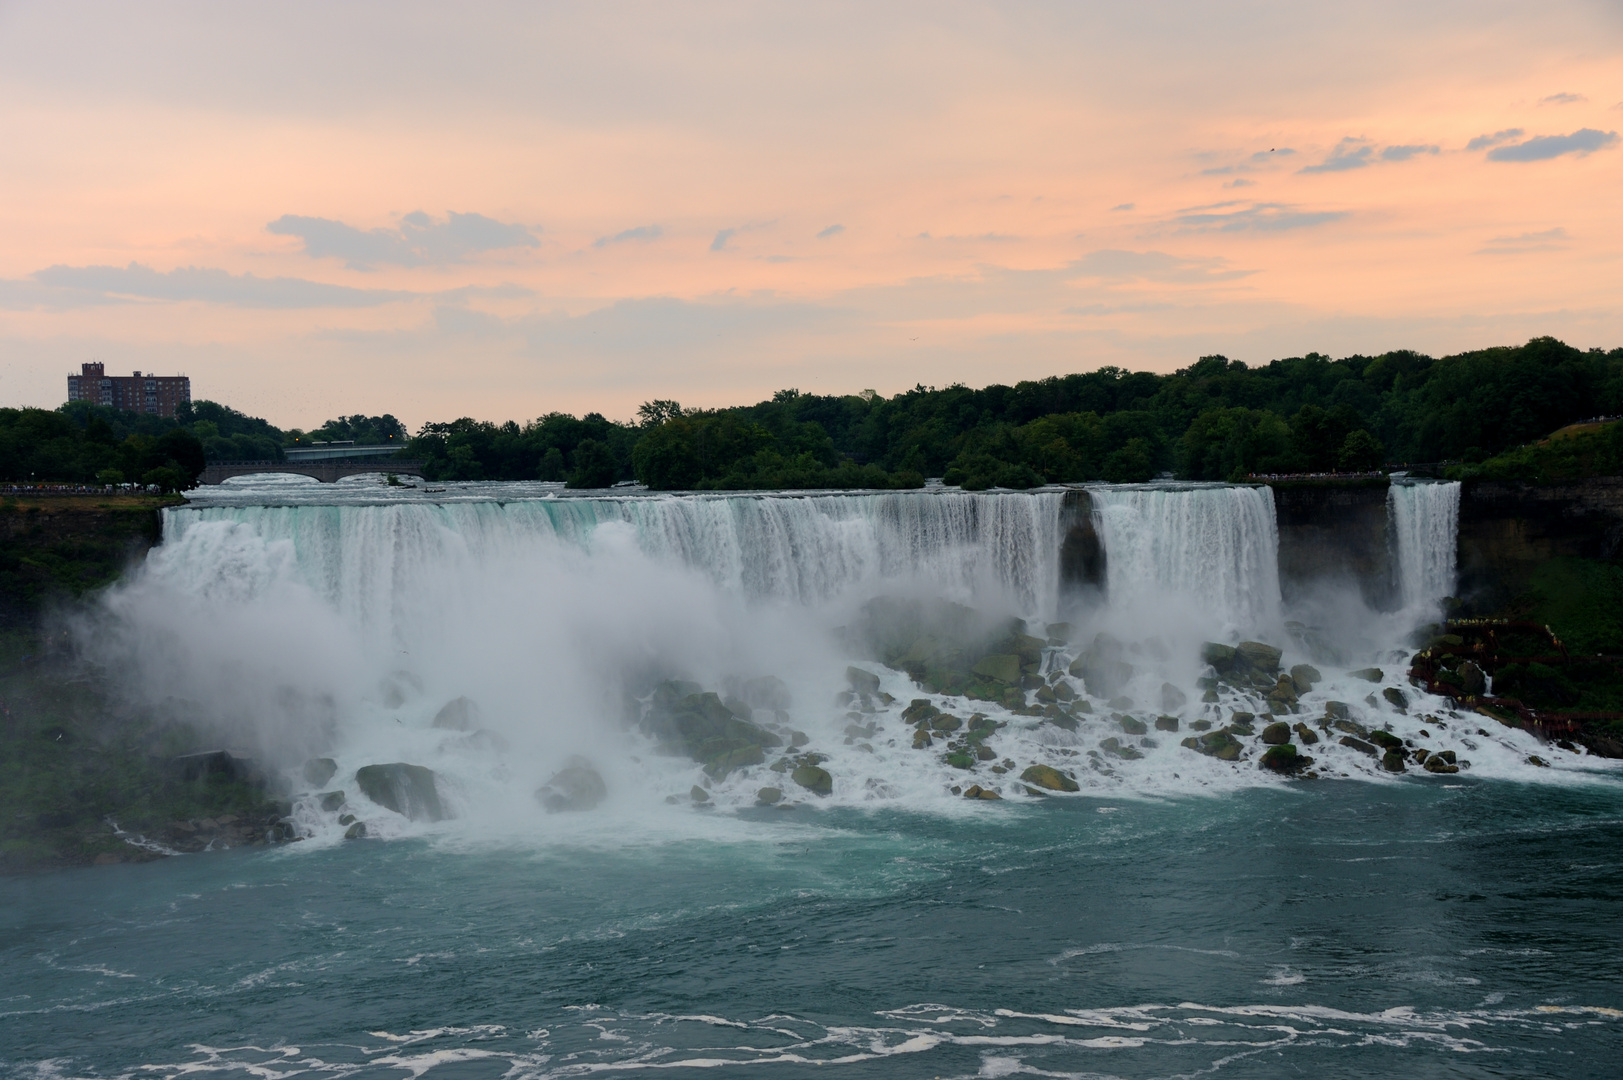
[316,209]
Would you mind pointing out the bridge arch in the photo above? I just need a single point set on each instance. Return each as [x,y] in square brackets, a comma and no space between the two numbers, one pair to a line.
[325,471]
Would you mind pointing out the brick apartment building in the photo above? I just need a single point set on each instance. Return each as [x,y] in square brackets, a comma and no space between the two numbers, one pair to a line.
[157,395]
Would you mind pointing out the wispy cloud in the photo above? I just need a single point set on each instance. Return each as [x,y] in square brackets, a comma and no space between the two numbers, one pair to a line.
[1562,99]
[1583,142]
[1482,142]
[419,240]
[1547,240]
[831,231]
[86,286]
[1118,265]
[642,233]
[1404,153]
[1348,154]
[720,242]
[1259,217]
[1123,206]
[1257,159]
[1240,182]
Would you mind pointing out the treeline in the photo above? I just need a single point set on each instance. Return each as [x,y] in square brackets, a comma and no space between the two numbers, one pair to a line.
[1217,419]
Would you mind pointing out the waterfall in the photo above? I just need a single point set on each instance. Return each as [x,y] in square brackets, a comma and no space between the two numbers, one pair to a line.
[1215,546]
[1424,520]
[801,549]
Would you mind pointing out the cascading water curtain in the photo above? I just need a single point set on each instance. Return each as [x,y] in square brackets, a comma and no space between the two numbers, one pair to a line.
[790,548]
[1218,546]
[1424,519]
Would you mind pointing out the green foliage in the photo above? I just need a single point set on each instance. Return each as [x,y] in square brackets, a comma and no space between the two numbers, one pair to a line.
[360,429]
[545,449]
[80,442]
[1594,452]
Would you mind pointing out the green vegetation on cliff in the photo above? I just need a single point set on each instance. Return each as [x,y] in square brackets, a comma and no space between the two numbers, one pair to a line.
[1572,453]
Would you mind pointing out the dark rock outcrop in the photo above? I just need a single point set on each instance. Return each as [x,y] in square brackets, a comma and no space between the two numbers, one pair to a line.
[409,790]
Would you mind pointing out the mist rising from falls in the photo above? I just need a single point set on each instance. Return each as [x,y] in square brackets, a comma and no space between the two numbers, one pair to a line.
[1424,523]
[304,630]
[1215,548]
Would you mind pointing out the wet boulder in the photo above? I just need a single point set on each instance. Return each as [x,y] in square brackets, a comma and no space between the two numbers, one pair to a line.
[861,681]
[356,831]
[1337,710]
[1172,699]
[1472,680]
[769,796]
[317,771]
[1131,725]
[1049,778]
[1218,744]
[577,786]
[766,692]
[458,714]
[1369,674]
[1386,740]
[1354,743]
[1305,677]
[1102,668]
[1396,698]
[1001,667]
[408,790]
[813,779]
[1277,734]
[1116,748]
[1258,657]
[975,791]
[699,795]
[1166,723]
[1283,759]
[330,801]
[1306,734]
[1220,657]
[1392,761]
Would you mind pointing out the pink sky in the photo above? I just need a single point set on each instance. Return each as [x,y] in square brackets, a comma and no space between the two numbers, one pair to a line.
[317,209]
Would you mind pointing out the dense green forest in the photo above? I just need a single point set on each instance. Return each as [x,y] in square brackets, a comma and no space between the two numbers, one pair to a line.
[1217,419]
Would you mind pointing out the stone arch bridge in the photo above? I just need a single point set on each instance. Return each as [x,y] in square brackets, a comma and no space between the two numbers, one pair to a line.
[325,471]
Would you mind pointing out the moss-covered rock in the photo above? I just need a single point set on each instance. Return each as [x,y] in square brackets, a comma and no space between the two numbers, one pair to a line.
[1218,744]
[1117,749]
[1277,734]
[1396,698]
[1049,778]
[1166,723]
[1352,742]
[1392,761]
[1306,735]
[1258,656]
[1131,725]
[1369,674]
[769,796]
[975,791]
[813,779]
[1283,759]
[1002,667]
[1305,677]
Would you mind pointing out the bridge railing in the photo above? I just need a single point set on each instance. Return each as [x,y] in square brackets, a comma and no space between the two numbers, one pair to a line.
[284,465]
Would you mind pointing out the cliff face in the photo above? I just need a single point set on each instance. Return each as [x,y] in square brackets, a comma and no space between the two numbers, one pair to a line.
[1082,551]
[60,547]
[1507,528]
[1334,534]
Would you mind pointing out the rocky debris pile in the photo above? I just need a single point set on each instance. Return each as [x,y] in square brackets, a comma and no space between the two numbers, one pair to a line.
[688,720]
